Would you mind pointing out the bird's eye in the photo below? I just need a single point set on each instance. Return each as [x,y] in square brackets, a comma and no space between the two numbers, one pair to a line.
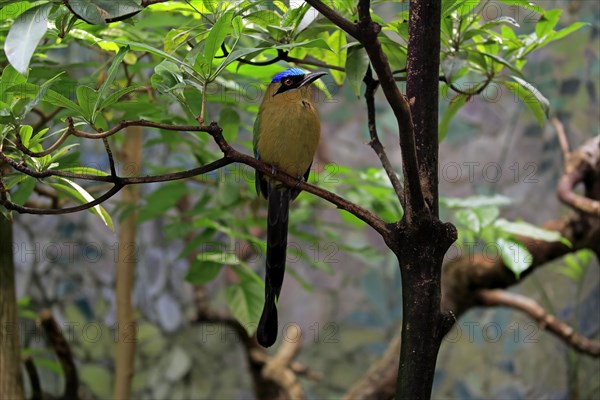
[288,82]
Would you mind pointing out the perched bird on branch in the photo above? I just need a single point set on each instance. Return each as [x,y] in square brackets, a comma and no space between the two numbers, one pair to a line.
[286,135]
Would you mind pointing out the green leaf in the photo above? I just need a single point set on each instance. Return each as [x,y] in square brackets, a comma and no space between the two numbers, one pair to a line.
[309,44]
[357,63]
[475,201]
[514,255]
[59,100]
[533,98]
[229,120]
[526,229]
[40,94]
[547,22]
[97,378]
[104,44]
[153,50]
[469,219]
[163,198]
[568,30]
[336,41]
[263,18]
[203,270]
[84,170]
[525,4]
[572,268]
[175,38]
[351,219]
[214,40]
[110,77]
[50,365]
[24,36]
[25,132]
[86,97]
[502,61]
[87,11]
[237,25]
[501,20]
[9,78]
[245,301]
[23,191]
[487,215]
[281,6]
[455,104]
[116,95]
[453,63]
[111,9]
[81,195]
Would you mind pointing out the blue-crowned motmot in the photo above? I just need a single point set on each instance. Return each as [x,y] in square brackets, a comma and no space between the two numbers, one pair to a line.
[286,135]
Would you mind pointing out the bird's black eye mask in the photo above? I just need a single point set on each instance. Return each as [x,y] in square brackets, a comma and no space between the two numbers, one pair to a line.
[289,82]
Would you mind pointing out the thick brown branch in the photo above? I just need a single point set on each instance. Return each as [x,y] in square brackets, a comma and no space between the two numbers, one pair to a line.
[380,380]
[498,297]
[63,353]
[277,368]
[275,377]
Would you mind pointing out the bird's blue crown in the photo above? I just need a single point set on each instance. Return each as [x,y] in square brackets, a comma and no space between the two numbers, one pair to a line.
[288,72]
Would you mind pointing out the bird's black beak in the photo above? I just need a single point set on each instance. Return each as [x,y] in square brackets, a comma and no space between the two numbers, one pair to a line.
[310,78]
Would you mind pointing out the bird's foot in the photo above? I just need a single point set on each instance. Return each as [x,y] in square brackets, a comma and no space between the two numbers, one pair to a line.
[299,181]
[273,170]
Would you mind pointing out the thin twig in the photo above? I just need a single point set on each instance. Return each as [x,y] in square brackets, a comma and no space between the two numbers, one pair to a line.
[314,63]
[375,143]
[231,155]
[562,138]
[56,211]
[499,297]
[334,17]
[34,378]
[63,353]
[44,118]
[200,119]
[111,161]
[582,165]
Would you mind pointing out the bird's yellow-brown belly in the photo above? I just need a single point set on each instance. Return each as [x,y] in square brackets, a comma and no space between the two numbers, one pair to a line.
[289,137]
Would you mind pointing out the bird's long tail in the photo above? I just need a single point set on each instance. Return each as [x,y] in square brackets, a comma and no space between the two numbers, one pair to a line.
[277,228]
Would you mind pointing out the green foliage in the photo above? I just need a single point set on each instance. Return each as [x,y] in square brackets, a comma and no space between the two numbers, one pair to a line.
[223,54]
[575,264]
[492,52]
[478,223]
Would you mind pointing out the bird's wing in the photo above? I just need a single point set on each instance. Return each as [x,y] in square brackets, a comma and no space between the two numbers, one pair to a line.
[261,184]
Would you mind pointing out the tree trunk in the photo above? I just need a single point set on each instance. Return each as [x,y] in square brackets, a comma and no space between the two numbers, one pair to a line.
[422,242]
[11,380]
[126,262]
